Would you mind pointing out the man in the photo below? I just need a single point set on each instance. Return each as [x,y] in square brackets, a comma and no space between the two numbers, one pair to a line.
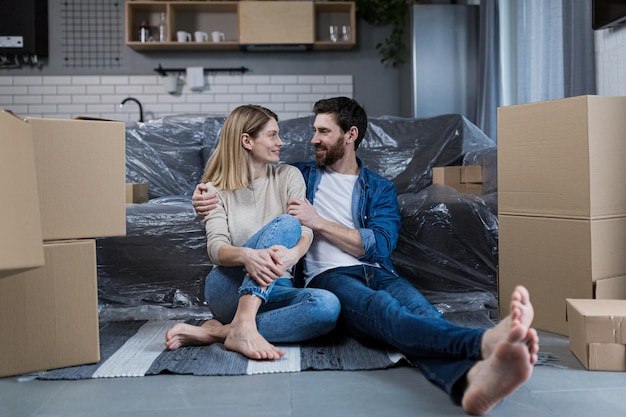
[354,215]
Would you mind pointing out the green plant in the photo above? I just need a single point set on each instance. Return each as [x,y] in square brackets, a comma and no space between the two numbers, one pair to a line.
[387,12]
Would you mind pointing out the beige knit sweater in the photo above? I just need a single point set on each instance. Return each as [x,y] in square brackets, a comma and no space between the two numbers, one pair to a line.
[241,213]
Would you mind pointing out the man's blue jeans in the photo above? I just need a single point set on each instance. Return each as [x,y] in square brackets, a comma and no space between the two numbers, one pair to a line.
[378,305]
[288,314]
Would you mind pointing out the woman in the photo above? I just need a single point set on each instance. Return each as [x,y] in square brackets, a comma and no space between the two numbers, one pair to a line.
[253,244]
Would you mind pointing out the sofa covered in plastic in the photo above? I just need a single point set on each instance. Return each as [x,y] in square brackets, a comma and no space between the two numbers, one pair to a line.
[448,240]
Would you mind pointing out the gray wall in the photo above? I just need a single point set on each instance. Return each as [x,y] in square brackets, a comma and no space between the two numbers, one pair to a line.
[376,85]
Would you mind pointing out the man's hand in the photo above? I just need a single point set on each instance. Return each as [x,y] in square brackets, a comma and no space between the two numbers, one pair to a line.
[348,239]
[202,201]
[305,212]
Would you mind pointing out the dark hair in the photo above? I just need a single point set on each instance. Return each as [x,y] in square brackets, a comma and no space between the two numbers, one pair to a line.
[347,112]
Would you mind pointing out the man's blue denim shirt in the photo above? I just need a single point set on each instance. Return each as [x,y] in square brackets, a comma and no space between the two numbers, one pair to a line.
[374,211]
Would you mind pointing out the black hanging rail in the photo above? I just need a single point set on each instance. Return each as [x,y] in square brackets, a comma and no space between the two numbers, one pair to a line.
[163,71]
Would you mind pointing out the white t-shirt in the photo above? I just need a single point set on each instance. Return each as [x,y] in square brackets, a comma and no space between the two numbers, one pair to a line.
[333,201]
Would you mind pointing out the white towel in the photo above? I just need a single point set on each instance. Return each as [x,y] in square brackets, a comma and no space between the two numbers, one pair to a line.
[195,78]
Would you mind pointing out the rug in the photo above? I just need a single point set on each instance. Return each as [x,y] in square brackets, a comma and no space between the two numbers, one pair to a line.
[137,348]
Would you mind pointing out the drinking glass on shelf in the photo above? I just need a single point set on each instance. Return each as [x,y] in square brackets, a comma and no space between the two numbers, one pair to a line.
[334,33]
[345,33]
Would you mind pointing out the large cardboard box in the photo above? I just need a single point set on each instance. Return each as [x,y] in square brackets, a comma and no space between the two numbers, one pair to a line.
[80,168]
[49,315]
[563,158]
[558,259]
[597,330]
[20,227]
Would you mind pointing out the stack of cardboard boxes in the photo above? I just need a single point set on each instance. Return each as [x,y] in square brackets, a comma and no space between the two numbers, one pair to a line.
[63,186]
[562,204]
[464,179]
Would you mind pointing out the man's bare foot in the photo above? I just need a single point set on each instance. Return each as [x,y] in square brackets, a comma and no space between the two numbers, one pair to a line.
[245,339]
[501,374]
[183,334]
[509,352]
[515,325]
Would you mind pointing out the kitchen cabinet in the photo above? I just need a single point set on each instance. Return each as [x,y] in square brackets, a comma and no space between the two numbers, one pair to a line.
[248,25]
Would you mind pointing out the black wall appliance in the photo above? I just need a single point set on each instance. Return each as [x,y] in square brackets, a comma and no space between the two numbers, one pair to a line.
[608,13]
[23,31]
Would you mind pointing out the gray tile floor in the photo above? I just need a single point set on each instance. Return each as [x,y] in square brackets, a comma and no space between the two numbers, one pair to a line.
[566,390]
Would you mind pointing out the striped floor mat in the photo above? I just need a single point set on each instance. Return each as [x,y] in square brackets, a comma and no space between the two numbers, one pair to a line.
[136,348]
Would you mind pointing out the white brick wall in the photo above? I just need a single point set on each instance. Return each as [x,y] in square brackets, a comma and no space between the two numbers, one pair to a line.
[65,97]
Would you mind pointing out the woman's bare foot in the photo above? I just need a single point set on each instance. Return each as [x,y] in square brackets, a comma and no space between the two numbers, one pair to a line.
[244,338]
[183,334]
[515,325]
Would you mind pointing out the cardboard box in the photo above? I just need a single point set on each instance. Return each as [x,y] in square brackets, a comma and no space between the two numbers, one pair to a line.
[49,315]
[136,193]
[464,179]
[558,259]
[597,330]
[21,245]
[611,288]
[563,158]
[81,177]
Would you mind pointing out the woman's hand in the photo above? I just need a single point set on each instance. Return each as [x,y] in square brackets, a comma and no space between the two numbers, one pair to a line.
[285,258]
[265,265]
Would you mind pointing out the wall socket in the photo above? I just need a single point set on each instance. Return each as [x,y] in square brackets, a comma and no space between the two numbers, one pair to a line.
[11,41]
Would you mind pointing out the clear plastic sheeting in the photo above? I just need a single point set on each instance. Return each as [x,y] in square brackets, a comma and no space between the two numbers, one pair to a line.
[447,245]
[448,241]
[403,150]
[446,302]
[169,153]
[162,260]
[114,312]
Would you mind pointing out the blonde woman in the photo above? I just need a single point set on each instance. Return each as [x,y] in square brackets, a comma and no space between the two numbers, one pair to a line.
[254,244]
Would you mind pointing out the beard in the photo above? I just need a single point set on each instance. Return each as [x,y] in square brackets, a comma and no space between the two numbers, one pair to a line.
[333,154]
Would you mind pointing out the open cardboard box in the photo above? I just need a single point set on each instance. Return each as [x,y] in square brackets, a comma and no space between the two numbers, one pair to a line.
[20,227]
[80,170]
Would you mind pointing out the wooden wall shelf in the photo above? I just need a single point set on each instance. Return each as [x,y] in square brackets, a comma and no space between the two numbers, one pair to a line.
[254,25]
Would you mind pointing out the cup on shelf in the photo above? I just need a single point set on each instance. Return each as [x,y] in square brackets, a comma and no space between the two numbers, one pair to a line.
[333,32]
[218,36]
[200,36]
[183,36]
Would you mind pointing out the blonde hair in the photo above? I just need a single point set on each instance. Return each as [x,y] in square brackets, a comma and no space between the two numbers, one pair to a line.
[227,168]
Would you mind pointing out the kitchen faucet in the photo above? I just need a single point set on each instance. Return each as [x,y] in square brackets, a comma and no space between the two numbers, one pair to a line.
[138,103]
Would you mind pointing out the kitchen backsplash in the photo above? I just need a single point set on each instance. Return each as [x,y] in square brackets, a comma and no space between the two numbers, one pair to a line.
[100,96]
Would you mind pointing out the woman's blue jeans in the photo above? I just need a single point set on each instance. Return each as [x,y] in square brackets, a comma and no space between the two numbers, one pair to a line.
[288,314]
[376,304]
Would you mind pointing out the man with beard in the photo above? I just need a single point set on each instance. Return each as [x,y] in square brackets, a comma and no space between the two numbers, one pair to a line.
[354,215]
